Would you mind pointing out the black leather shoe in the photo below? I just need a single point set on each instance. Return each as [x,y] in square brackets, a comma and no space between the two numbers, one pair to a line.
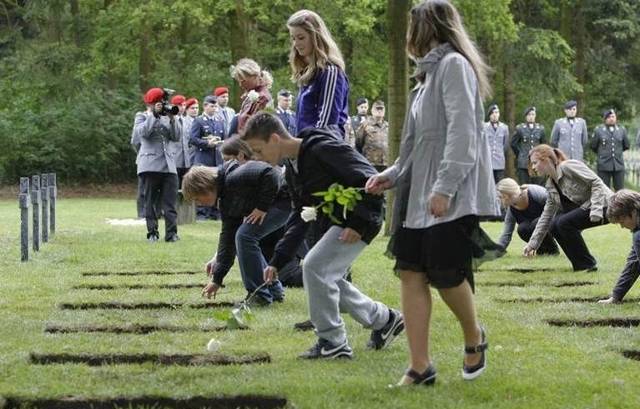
[153,237]
[172,239]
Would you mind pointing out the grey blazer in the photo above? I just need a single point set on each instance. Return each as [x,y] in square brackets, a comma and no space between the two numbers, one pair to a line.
[498,142]
[580,185]
[570,139]
[155,135]
[181,149]
[443,147]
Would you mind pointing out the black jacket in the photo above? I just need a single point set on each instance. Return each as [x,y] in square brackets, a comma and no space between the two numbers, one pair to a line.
[241,188]
[325,158]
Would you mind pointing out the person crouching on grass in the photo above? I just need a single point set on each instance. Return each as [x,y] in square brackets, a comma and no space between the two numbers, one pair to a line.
[317,159]
[246,194]
[624,209]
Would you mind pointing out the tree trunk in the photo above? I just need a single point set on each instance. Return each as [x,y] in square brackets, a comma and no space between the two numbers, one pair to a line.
[145,63]
[580,46]
[397,21]
[75,22]
[239,42]
[509,112]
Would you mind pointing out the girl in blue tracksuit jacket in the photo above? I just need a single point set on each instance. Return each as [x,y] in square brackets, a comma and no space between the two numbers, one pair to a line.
[319,72]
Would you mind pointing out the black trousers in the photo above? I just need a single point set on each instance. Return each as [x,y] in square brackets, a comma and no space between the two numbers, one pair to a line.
[181,173]
[525,231]
[164,187]
[141,201]
[617,176]
[498,175]
[567,230]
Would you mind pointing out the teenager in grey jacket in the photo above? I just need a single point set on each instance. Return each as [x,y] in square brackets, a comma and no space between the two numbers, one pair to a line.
[570,134]
[444,182]
[577,200]
[624,209]
[156,164]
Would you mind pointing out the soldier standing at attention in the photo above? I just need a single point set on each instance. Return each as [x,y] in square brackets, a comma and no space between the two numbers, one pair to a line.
[372,137]
[570,134]
[608,142]
[284,112]
[182,154]
[362,105]
[497,136]
[226,112]
[527,136]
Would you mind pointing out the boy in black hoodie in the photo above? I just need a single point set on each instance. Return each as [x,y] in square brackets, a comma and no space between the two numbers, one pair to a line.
[313,162]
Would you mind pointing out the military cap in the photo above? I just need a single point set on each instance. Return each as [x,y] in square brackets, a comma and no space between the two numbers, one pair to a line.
[153,95]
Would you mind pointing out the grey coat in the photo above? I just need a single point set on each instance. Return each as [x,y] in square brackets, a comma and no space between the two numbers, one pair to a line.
[570,139]
[155,135]
[181,148]
[580,185]
[609,145]
[443,147]
[498,139]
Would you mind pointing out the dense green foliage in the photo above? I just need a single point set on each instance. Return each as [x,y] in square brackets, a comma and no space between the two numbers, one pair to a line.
[73,71]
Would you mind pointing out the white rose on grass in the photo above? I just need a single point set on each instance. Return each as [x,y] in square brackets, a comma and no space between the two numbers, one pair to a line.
[309,213]
[253,95]
[213,345]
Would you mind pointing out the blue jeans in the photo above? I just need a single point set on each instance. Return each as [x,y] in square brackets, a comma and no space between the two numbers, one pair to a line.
[252,262]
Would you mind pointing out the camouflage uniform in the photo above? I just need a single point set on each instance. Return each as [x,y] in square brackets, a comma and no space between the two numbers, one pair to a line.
[372,139]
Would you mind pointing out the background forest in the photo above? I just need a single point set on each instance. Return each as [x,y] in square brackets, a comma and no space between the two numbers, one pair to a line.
[72,72]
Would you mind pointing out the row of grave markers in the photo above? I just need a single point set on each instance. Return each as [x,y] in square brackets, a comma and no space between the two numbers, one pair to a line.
[41,194]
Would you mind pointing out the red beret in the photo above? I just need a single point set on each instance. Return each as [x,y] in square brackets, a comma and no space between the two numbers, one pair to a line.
[153,95]
[220,91]
[178,99]
[190,102]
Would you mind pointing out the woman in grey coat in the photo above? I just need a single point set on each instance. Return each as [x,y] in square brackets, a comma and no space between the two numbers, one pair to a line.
[444,182]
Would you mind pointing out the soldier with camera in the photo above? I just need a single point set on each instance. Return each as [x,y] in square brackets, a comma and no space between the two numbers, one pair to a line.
[156,128]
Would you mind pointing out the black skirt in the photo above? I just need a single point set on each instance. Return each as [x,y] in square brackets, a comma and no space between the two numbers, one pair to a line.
[447,253]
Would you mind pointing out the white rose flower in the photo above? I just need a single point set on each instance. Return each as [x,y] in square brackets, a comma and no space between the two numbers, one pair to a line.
[213,345]
[309,213]
[253,96]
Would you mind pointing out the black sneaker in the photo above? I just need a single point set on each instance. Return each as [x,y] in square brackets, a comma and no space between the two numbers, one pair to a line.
[304,326]
[153,237]
[381,338]
[172,239]
[324,349]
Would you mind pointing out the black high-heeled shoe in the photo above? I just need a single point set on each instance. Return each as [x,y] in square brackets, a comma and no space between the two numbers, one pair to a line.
[427,378]
[470,373]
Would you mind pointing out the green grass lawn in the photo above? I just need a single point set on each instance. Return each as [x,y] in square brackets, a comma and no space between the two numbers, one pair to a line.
[531,364]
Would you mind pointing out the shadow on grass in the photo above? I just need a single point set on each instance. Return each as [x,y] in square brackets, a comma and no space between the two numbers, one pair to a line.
[135,286]
[127,329]
[158,359]
[196,402]
[138,273]
[604,322]
[141,306]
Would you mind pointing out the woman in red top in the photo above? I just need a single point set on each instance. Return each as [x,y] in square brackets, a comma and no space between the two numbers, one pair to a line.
[255,83]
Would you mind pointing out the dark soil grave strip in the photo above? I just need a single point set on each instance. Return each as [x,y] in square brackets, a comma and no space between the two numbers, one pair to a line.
[525,270]
[603,322]
[127,329]
[632,354]
[197,402]
[521,284]
[159,359]
[139,273]
[558,300]
[141,306]
[135,286]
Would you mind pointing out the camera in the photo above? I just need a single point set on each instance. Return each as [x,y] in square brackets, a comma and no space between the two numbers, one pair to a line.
[167,107]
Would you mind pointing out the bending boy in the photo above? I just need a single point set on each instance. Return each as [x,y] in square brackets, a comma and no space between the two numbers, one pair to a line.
[313,162]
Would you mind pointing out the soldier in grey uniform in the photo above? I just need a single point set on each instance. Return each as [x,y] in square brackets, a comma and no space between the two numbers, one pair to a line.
[156,164]
[608,142]
[498,137]
[193,109]
[527,135]
[570,134]
[181,149]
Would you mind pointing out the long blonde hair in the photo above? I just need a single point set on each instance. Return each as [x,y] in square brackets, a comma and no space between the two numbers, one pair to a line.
[439,20]
[246,67]
[325,49]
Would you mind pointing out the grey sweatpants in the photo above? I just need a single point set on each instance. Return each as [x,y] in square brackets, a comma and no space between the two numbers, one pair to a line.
[323,272]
